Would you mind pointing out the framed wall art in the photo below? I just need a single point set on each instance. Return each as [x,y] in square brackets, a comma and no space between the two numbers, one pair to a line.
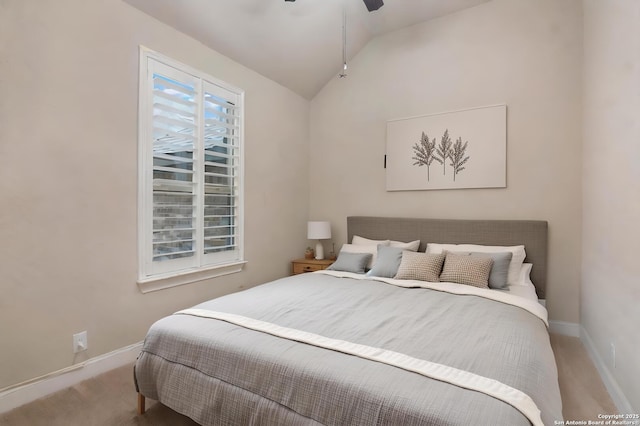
[449,150]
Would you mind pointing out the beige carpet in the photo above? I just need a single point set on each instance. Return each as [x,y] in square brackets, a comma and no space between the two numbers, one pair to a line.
[110,399]
[583,393]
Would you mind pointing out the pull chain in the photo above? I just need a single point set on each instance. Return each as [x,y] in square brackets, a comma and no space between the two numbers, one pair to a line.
[343,74]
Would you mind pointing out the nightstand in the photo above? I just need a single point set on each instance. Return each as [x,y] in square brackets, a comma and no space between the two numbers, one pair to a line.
[300,266]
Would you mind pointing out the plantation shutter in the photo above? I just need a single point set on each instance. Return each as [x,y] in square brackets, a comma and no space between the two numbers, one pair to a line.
[194,192]
[221,165]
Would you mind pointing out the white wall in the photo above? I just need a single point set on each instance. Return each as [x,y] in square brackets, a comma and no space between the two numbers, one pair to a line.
[610,296]
[526,54]
[68,179]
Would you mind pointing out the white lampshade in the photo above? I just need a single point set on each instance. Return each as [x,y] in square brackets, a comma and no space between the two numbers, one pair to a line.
[318,230]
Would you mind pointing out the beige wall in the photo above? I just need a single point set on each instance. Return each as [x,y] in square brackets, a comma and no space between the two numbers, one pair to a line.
[610,296]
[68,170]
[526,54]
[68,179]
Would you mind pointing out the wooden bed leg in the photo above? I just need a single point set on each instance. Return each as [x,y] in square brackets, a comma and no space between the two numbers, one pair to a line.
[141,401]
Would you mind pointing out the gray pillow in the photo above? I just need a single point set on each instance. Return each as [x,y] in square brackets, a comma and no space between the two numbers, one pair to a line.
[351,262]
[387,262]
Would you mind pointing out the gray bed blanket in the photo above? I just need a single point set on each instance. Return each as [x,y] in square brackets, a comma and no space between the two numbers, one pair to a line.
[220,373]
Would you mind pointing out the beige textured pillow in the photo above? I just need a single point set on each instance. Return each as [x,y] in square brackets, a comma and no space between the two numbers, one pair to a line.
[420,266]
[515,263]
[464,269]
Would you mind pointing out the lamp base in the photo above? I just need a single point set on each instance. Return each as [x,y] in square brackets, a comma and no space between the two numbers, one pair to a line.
[319,251]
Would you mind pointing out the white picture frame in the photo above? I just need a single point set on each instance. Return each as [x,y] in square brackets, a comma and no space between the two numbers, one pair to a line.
[465,149]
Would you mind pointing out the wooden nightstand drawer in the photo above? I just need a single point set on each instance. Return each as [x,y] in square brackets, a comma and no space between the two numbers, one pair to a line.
[301,266]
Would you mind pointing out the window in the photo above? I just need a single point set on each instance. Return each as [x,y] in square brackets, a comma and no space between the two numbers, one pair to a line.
[190,174]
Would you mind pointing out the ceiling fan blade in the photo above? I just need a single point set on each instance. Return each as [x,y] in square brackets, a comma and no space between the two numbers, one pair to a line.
[373,4]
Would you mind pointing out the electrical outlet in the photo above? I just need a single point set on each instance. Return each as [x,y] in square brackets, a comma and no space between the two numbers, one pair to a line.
[80,342]
[613,355]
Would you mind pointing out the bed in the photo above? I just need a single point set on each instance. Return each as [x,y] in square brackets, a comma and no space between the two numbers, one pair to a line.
[339,347]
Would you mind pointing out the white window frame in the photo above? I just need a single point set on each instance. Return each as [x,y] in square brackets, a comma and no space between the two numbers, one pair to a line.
[148,279]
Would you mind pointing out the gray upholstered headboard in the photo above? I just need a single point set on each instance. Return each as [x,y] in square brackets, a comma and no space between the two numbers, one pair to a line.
[531,233]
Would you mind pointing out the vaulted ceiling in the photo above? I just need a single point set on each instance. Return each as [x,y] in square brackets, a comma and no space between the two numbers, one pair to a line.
[297,44]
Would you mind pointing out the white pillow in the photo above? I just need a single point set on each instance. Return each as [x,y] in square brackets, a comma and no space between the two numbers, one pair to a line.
[369,248]
[524,278]
[514,266]
[411,246]
[361,241]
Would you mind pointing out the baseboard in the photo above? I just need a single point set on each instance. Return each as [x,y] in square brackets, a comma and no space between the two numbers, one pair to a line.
[565,328]
[617,395]
[23,393]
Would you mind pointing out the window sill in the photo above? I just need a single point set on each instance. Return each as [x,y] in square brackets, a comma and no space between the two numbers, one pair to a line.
[148,285]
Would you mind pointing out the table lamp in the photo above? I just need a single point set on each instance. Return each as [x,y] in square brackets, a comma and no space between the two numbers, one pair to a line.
[319,231]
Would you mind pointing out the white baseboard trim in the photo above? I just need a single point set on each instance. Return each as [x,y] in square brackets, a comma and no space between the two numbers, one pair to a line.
[25,392]
[610,382]
[565,328]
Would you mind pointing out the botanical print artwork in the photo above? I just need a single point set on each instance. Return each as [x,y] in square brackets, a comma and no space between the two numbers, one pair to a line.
[457,157]
[443,150]
[426,152]
[451,150]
